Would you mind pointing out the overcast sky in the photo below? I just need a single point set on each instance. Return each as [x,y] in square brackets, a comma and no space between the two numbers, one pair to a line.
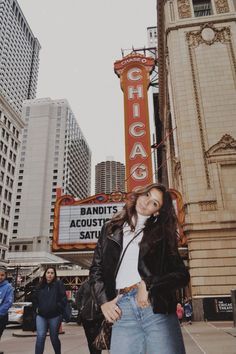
[80,41]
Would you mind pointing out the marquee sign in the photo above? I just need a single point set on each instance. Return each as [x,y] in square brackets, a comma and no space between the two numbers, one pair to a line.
[134,71]
[78,223]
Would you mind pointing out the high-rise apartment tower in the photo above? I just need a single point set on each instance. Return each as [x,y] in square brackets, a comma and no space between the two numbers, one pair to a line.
[19,60]
[19,56]
[54,154]
[109,177]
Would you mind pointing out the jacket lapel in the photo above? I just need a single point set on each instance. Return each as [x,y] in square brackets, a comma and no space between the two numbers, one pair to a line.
[117,236]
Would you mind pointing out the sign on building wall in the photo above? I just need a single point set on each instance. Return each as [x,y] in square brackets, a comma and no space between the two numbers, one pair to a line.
[218,309]
[134,70]
[78,223]
[83,223]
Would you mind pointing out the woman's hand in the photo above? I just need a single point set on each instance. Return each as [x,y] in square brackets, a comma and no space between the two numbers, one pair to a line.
[142,295]
[111,311]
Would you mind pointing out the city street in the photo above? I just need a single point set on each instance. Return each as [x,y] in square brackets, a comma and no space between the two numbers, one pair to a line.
[200,338]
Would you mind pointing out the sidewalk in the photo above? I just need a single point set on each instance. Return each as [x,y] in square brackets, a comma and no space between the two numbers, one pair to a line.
[210,338]
[200,338]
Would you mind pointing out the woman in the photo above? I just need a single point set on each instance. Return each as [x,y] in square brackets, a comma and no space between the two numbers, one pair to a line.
[180,313]
[48,302]
[140,300]
[188,311]
[90,322]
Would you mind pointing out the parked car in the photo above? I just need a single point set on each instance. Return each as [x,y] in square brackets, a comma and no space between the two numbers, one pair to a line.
[15,312]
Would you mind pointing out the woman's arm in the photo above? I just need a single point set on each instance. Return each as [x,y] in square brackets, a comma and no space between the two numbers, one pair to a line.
[109,308]
[96,270]
[62,294]
[7,301]
[35,302]
[177,275]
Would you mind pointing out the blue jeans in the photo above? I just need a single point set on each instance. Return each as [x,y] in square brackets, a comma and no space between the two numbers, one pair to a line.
[140,331]
[42,326]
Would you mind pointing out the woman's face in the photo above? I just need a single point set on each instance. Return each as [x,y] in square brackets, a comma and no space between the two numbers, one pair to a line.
[150,203]
[50,275]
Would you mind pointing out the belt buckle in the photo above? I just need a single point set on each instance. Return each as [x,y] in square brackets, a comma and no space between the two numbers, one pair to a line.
[127,289]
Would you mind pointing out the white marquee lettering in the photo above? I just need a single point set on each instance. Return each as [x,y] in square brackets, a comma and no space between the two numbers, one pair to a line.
[134,129]
[139,172]
[138,149]
[132,90]
[136,110]
[134,74]
[130,60]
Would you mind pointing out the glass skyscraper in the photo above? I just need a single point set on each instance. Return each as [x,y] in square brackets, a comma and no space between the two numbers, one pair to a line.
[19,56]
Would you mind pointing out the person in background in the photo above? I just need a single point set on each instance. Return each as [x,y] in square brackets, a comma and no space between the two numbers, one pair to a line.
[139,298]
[90,323]
[48,303]
[188,311]
[180,312]
[6,299]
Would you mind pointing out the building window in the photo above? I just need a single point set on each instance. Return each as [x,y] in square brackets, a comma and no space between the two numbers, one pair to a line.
[3,254]
[24,247]
[27,111]
[202,8]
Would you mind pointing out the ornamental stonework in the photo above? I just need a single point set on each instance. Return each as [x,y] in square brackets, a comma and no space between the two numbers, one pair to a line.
[222,6]
[208,34]
[184,9]
[210,205]
[225,146]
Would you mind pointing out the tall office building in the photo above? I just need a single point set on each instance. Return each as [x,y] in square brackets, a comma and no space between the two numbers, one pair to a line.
[19,60]
[54,153]
[19,56]
[152,37]
[109,177]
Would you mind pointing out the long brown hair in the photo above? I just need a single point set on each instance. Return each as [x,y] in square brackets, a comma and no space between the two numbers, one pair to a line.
[156,227]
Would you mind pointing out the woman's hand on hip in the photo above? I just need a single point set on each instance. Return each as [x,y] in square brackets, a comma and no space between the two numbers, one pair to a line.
[142,295]
[111,310]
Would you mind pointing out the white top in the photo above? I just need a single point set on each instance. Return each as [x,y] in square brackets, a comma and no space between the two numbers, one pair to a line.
[128,273]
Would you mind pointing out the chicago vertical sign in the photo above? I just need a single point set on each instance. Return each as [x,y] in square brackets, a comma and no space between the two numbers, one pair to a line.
[134,71]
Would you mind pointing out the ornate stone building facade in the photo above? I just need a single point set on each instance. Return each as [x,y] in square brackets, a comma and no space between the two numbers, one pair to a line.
[197,79]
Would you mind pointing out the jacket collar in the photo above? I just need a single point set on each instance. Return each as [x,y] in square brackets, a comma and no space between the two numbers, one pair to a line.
[117,236]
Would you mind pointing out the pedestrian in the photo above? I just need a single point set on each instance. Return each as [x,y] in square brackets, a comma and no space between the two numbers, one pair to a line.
[140,299]
[90,321]
[180,312]
[188,311]
[49,300]
[6,298]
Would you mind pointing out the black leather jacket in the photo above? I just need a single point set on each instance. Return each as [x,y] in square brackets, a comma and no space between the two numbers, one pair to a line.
[162,271]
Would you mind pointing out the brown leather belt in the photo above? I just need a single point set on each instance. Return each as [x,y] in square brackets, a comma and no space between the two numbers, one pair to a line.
[127,289]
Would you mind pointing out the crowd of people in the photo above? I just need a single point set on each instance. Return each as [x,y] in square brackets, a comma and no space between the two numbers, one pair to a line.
[134,277]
